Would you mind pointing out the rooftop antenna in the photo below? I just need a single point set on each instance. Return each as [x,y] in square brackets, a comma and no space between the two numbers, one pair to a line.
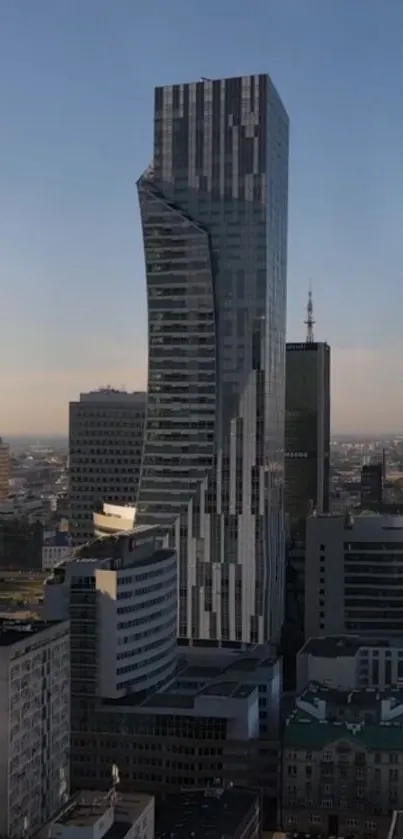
[309,318]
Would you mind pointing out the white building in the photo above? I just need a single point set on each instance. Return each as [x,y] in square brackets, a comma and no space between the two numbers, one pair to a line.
[114,519]
[94,815]
[353,575]
[132,581]
[105,448]
[34,724]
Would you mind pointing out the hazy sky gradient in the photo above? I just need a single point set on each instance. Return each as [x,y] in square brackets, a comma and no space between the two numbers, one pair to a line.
[76,88]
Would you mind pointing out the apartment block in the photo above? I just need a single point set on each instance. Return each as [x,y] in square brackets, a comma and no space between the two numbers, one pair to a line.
[34,724]
[105,449]
[343,762]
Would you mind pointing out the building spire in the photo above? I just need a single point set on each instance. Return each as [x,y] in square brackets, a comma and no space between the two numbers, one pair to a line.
[310,323]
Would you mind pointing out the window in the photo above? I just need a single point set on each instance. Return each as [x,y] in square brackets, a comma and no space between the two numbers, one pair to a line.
[327,756]
[315,818]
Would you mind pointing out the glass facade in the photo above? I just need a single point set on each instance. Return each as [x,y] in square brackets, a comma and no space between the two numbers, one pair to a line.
[214,217]
[307,431]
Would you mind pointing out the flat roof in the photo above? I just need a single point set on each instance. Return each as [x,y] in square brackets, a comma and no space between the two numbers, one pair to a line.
[335,646]
[86,807]
[15,631]
[212,812]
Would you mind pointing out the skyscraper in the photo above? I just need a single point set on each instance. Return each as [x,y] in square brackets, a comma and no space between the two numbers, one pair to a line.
[307,427]
[214,215]
[106,431]
[4,470]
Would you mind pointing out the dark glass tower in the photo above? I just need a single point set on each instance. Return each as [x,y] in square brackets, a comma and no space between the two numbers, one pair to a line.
[214,215]
[307,431]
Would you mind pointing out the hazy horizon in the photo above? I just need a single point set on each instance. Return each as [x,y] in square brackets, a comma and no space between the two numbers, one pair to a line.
[77,81]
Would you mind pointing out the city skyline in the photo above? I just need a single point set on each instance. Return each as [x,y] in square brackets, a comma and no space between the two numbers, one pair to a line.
[72,262]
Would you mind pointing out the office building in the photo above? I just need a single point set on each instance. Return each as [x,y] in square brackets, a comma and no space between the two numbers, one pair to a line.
[213,714]
[34,724]
[214,216]
[216,812]
[348,662]
[97,815]
[343,762]
[307,428]
[123,591]
[353,572]
[372,484]
[5,465]
[105,447]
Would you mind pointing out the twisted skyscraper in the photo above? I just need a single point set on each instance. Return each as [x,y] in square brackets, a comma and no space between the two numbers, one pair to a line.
[214,215]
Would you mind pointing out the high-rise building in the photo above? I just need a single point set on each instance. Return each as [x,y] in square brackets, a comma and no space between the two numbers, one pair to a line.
[5,461]
[105,446]
[353,573]
[372,484]
[214,216]
[35,724]
[307,428]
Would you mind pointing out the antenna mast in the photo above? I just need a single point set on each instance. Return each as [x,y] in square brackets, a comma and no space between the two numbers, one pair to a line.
[310,323]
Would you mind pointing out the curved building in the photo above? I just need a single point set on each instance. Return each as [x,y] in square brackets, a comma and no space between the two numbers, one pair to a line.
[214,216]
[120,593]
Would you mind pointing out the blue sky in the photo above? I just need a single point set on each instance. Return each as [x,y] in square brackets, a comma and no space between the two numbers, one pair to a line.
[76,87]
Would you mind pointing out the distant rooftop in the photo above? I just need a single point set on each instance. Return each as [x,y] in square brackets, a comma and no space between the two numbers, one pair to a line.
[110,394]
[14,631]
[335,646]
[208,813]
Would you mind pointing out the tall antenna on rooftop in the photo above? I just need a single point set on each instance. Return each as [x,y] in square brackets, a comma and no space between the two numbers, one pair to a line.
[310,323]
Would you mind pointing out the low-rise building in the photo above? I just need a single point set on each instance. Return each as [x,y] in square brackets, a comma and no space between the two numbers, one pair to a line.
[216,812]
[56,548]
[343,762]
[34,724]
[348,662]
[95,815]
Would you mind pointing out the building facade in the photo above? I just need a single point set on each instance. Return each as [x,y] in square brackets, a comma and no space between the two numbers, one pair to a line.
[216,812]
[123,590]
[307,431]
[56,548]
[372,484]
[214,216]
[5,465]
[105,445]
[353,572]
[348,662]
[34,724]
[343,762]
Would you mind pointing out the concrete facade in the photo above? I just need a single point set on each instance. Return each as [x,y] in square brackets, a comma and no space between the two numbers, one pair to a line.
[349,662]
[353,566]
[34,724]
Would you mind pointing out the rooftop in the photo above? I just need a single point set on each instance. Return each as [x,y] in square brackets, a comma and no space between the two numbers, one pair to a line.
[335,646]
[377,728]
[86,808]
[14,631]
[213,812]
